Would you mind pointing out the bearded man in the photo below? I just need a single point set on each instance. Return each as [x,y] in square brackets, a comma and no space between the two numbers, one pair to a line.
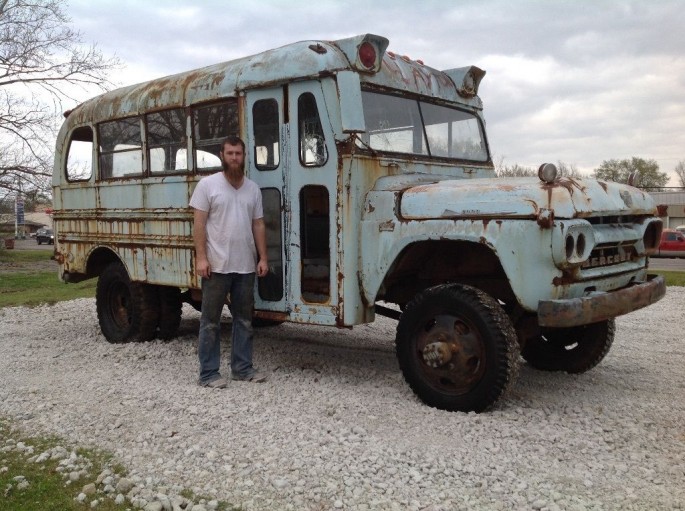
[230,247]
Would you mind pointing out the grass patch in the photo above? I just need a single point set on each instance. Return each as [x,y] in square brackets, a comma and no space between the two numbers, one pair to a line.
[24,256]
[30,486]
[27,484]
[27,280]
[31,289]
[673,278]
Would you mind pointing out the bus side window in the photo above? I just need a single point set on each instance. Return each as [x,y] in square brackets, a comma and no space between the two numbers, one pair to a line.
[271,285]
[313,152]
[211,125]
[266,134]
[166,140]
[80,155]
[315,244]
[121,152]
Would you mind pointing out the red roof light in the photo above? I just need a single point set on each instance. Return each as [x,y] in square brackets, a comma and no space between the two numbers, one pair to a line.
[367,55]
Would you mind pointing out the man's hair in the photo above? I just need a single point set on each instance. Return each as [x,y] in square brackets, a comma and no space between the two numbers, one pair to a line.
[232,140]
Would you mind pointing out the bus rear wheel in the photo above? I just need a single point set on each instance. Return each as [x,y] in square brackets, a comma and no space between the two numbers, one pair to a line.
[170,311]
[127,311]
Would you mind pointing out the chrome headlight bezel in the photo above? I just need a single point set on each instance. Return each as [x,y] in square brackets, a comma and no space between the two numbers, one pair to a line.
[572,243]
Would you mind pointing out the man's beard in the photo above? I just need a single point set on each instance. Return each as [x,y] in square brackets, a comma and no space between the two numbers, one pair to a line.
[235,172]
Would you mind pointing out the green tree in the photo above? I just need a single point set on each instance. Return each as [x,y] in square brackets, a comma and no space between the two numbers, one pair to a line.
[646,172]
[42,62]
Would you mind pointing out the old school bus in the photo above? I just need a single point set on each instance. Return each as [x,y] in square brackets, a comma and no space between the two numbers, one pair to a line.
[380,197]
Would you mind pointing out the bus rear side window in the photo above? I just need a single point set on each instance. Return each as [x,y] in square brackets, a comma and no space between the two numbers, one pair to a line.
[266,134]
[166,139]
[80,155]
[121,151]
[211,125]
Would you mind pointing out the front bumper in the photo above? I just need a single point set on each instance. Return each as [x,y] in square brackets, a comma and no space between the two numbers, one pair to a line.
[601,306]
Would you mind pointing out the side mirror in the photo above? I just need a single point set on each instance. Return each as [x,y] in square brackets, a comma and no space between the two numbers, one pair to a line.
[350,93]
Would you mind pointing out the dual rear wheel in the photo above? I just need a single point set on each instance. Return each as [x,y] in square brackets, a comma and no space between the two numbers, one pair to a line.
[133,311]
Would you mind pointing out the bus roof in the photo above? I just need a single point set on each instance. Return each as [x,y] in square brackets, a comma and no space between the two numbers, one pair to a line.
[296,61]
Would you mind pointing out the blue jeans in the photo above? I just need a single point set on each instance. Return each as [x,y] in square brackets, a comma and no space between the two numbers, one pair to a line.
[214,291]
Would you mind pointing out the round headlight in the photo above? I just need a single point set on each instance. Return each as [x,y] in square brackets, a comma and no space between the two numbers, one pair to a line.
[580,245]
[547,172]
[570,246]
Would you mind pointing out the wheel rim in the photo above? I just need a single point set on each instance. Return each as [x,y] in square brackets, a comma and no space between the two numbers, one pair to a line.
[119,299]
[451,353]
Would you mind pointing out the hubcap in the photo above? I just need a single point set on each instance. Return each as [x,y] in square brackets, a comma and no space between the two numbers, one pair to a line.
[451,353]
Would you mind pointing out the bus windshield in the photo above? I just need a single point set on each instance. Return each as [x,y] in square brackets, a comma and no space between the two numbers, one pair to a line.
[402,125]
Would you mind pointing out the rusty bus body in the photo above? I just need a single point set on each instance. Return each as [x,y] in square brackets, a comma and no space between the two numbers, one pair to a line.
[379,189]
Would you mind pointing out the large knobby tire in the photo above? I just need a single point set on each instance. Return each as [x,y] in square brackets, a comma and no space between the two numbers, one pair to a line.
[574,350]
[170,311]
[457,348]
[127,311]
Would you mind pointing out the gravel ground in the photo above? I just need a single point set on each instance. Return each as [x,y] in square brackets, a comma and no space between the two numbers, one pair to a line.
[336,427]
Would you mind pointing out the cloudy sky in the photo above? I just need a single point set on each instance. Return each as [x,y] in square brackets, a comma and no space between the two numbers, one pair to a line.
[575,81]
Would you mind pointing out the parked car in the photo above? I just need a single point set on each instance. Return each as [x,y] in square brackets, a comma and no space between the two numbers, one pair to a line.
[45,236]
[672,244]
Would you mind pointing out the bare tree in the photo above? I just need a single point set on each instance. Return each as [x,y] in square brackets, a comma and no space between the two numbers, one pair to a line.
[680,172]
[42,63]
[569,170]
[516,170]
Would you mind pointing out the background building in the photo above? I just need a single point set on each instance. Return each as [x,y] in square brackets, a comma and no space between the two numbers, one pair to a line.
[672,207]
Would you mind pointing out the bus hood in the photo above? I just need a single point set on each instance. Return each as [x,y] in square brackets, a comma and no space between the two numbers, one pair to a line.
[521,198]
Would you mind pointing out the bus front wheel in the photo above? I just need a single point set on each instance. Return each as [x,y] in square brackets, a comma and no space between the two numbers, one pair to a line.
[457,348]
[127,311]
[573,350]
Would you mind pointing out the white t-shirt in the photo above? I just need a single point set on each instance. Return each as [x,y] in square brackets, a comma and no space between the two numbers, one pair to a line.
[230,242]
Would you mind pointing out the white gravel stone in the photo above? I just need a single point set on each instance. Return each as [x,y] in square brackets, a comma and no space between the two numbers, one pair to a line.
[124,485]
[336,423]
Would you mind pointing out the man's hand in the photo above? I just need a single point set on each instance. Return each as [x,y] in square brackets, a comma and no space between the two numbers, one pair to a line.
[262,268]
[203,268]
[259,233]
[200,241]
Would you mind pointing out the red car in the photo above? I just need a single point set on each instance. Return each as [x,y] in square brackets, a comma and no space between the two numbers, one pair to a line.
[672,244]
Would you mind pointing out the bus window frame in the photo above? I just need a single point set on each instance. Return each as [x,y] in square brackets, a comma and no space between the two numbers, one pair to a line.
[363,146]
[229,101]
[141,148]
[182,144]
[71,139]
[256,137]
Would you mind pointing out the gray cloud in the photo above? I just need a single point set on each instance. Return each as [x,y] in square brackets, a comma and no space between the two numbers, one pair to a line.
[576,81]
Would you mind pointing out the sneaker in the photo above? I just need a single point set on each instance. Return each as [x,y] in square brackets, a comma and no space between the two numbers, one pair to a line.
[219,383]
[256,377]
